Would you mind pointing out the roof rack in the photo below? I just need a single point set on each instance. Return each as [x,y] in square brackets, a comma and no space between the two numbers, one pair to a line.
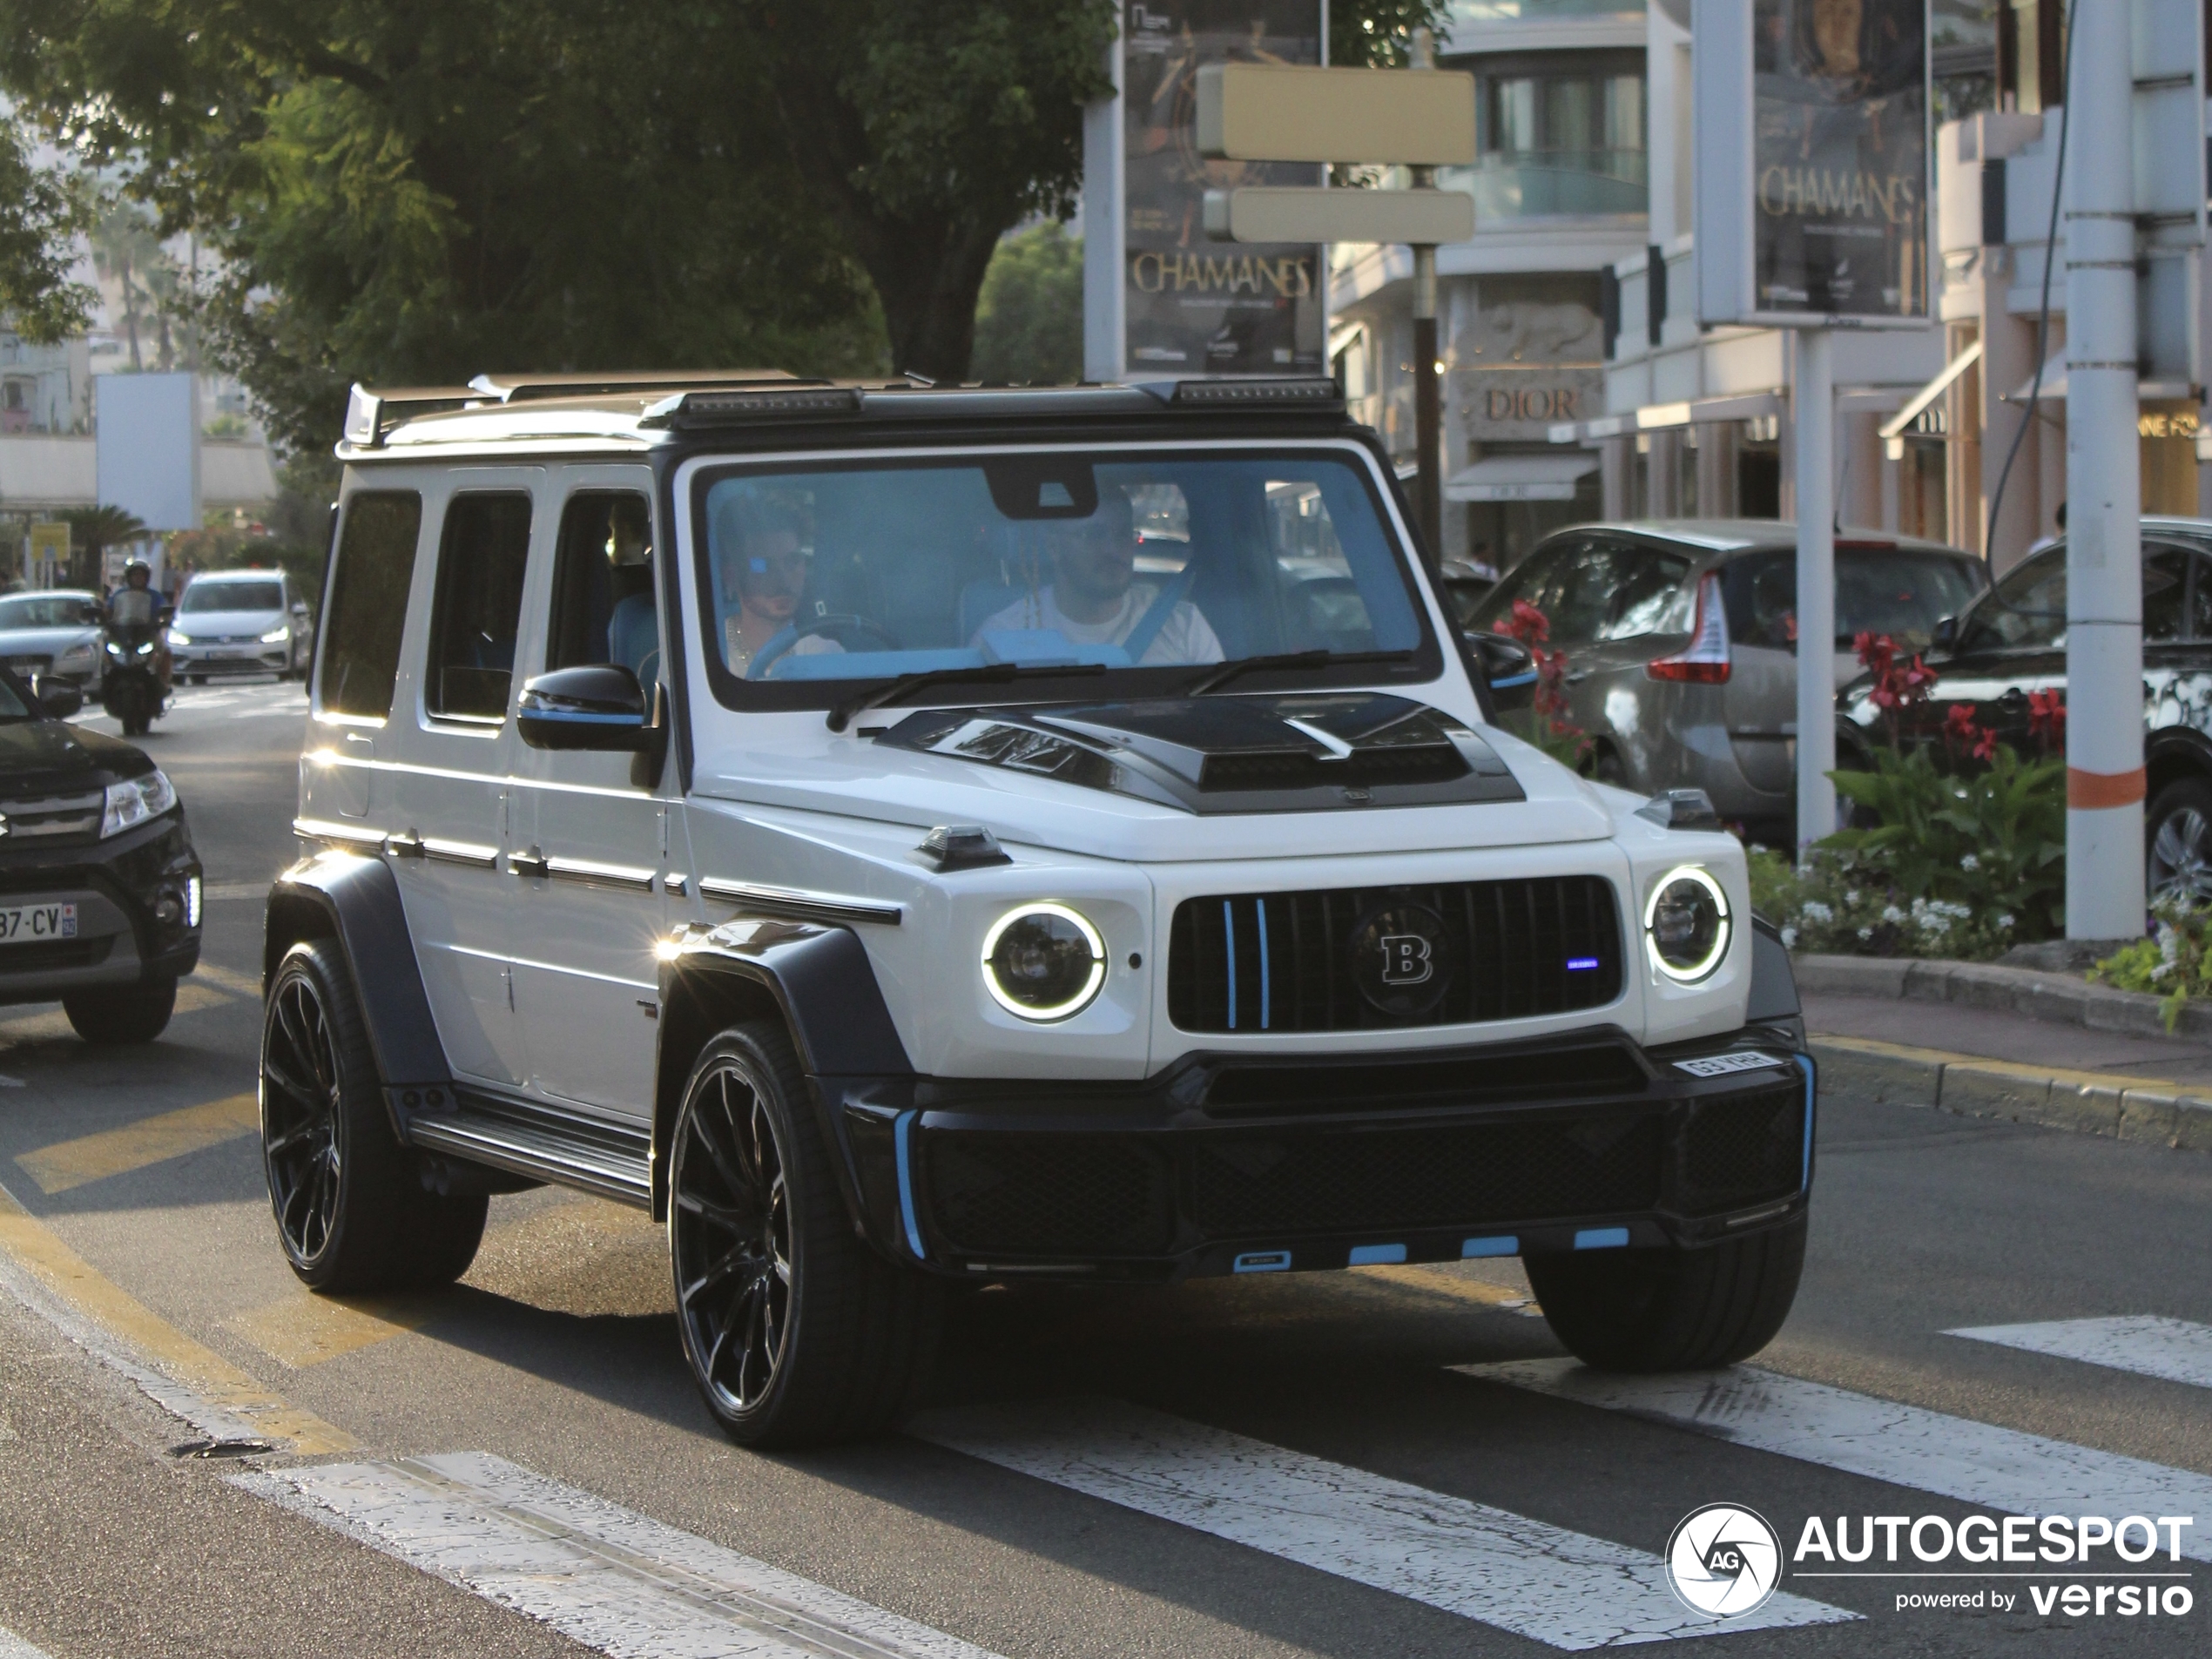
[514,388]
[369,415]
[821,400]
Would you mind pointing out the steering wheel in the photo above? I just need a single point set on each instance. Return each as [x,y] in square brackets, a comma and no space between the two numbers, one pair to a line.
[781,643]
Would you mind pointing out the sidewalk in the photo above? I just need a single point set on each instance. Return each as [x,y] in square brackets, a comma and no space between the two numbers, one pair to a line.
[1918,1048]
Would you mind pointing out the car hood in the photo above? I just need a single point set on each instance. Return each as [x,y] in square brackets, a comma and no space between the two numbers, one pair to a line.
[25,642]
[195,622]
[1174,779]
[42,756]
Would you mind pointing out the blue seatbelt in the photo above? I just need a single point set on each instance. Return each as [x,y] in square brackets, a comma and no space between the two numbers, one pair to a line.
[1155,617]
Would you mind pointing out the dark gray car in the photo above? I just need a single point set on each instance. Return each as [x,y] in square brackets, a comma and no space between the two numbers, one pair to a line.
[1680,643]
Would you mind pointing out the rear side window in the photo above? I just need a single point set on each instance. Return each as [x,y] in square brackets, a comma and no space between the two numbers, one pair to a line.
[1609,590]
[2027,611]
[368,610]
[481,559]
[1884,590]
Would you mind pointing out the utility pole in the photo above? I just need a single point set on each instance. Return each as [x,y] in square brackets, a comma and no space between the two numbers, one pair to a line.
[1428,415]
[2104,599]
[1814,419]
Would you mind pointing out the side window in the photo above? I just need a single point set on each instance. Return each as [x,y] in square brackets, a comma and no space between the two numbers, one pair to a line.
[482,558]
[1645,588]
[367,605]
[2166,586]
[1534,579]
[2201,599]
[605,603]
[2026,610]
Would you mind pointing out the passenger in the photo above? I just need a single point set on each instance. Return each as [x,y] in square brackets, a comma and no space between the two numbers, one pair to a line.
[762,556]
[1094,598]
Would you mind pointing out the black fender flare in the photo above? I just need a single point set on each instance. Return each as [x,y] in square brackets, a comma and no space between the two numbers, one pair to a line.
[818,981]
[1774,983]
[355,901]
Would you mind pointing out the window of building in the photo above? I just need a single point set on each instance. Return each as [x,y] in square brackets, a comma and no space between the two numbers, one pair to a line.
[482,558]
[1558,133]
[367,609]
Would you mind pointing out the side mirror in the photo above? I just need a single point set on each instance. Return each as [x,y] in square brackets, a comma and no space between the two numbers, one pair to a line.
[1507,664]
[60,698]
[596,706]
[1946,637]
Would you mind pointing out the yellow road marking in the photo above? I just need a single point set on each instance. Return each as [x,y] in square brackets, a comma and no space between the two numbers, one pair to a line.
[1439,1283]
[304,1330]
[199,1369]
[2005,1067]
[191,999]
[152,1140]
[229,979]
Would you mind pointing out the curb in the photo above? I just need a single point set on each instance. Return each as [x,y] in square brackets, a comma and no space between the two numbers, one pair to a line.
[2059,999]
[2146,1110]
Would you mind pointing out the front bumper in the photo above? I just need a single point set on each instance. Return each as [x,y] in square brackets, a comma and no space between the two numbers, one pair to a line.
[1225,1166]
[256,659]
[115,885]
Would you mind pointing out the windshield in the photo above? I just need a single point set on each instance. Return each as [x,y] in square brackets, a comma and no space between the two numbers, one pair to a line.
[233,596]
[14,705]
[47,611]
[819,575]
[1891,590]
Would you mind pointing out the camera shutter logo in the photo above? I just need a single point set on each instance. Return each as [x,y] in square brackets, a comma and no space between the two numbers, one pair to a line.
[1724,1561]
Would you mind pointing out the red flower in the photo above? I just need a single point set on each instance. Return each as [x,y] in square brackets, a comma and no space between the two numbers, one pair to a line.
[1527,624]
[1959,721]
[1874,650]
[2047,719]
[1984,744]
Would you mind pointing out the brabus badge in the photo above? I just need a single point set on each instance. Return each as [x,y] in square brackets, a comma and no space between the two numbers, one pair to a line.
[1402,960]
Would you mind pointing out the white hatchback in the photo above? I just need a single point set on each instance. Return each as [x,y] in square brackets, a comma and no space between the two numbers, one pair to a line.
[240,622]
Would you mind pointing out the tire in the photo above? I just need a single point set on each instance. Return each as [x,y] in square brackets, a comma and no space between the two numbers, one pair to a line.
[131,1013]
[2177,842]
[1607,766]
[797,1331]
[352,1212]
[1671,1310]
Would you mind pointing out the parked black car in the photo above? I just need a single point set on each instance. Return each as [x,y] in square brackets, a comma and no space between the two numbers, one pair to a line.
[2010,645]
[100,889]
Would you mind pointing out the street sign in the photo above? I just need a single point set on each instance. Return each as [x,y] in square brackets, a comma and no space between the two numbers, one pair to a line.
[1435,217]
[1811,162]
[1399,117]
[50,545]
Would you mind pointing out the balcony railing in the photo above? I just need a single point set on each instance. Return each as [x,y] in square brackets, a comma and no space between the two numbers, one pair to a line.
[1537,184]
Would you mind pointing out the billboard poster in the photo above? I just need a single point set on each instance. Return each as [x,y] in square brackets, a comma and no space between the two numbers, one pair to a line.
[1193,306]
[1840,158]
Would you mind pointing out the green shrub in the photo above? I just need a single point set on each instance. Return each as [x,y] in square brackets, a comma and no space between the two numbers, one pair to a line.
[2174,962]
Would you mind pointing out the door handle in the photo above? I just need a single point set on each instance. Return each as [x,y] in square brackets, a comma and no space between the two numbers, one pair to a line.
[403,844]
[2013,698]
[527,865]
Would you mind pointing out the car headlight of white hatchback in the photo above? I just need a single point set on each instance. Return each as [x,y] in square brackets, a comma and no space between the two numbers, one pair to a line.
[276,635]
[136,801]
[1043,962]
[1687,924]
[177,638]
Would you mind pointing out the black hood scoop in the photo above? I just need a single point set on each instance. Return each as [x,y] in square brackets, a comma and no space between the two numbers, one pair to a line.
[1231,754]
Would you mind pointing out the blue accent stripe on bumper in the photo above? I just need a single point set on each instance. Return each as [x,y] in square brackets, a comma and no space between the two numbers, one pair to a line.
[900,1144]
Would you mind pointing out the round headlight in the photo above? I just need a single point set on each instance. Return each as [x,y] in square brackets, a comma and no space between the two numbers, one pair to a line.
[1688,924]
[1043,962]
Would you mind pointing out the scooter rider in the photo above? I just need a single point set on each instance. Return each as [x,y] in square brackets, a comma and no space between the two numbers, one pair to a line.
[135,605]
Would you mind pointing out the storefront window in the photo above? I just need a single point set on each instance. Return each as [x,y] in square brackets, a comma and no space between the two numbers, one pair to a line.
[1559,133]
[1482,11]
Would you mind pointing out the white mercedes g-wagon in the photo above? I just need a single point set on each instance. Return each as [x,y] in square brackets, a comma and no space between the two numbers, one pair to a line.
[903,836]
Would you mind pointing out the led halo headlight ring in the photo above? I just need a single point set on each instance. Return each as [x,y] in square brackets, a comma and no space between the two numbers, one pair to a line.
[1078,998]
[1710,893]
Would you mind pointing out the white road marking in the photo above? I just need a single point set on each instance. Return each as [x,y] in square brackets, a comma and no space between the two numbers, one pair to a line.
[1561,1587]
[2000,1469]
[2173,1349]
[604,1575]
[14,1646]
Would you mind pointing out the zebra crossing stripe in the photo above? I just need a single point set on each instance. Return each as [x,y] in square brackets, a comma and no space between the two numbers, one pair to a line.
[14,1646]
[2000,1469]
[604,1575]
[2146,1343]
[1561,1587]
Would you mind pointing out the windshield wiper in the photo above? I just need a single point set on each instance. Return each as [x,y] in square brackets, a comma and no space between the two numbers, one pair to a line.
[1218,676]
[840,715]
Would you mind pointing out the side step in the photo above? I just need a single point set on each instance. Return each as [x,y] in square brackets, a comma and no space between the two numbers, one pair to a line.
[545,1144]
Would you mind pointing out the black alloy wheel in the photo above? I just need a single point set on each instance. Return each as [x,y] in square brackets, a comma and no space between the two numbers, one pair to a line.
[352,1210]
[732,1250]
[2178,828]
[797,1331]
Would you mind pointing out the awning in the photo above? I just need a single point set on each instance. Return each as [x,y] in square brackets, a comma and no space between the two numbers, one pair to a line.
[2054,386]
[1521,478]
[1654,417]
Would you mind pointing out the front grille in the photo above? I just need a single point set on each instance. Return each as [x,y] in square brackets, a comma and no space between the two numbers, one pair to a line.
[1014,1193]
[1515,1076]
[50,955]
[1248,1185]
[1739,1149]
[1298,962]
[52,817]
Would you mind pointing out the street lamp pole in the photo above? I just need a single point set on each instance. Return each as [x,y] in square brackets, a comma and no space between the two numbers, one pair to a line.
[1429,415]
[1814,418]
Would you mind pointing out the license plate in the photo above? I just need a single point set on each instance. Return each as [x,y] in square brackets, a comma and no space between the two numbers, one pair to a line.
[227,655]
[21,924]
[1720,1065]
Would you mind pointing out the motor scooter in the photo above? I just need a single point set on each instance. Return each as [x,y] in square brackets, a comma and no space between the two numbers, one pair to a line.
[131,684]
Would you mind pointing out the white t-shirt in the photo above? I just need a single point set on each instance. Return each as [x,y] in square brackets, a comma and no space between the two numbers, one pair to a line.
[740,659]
[1187,636]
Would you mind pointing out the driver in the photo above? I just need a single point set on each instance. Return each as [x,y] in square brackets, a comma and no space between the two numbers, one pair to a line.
[761,557]
[1094,598]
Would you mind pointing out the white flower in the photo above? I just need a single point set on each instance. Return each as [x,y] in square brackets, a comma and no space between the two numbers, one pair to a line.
[1851,895]
[2004,922]
[1867,933]
[1891,914]
[1789,939]
[1970,862]
[1813,910]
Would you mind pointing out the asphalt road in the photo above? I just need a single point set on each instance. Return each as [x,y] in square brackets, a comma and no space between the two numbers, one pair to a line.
[1387,1461]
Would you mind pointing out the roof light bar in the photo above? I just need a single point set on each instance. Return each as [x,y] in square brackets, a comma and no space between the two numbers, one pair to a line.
[723,408]
[1309,391]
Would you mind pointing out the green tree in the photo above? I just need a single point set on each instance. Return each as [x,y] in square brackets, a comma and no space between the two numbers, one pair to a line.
[1378,34]
[92,531]
[40,210]
[1029,321]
